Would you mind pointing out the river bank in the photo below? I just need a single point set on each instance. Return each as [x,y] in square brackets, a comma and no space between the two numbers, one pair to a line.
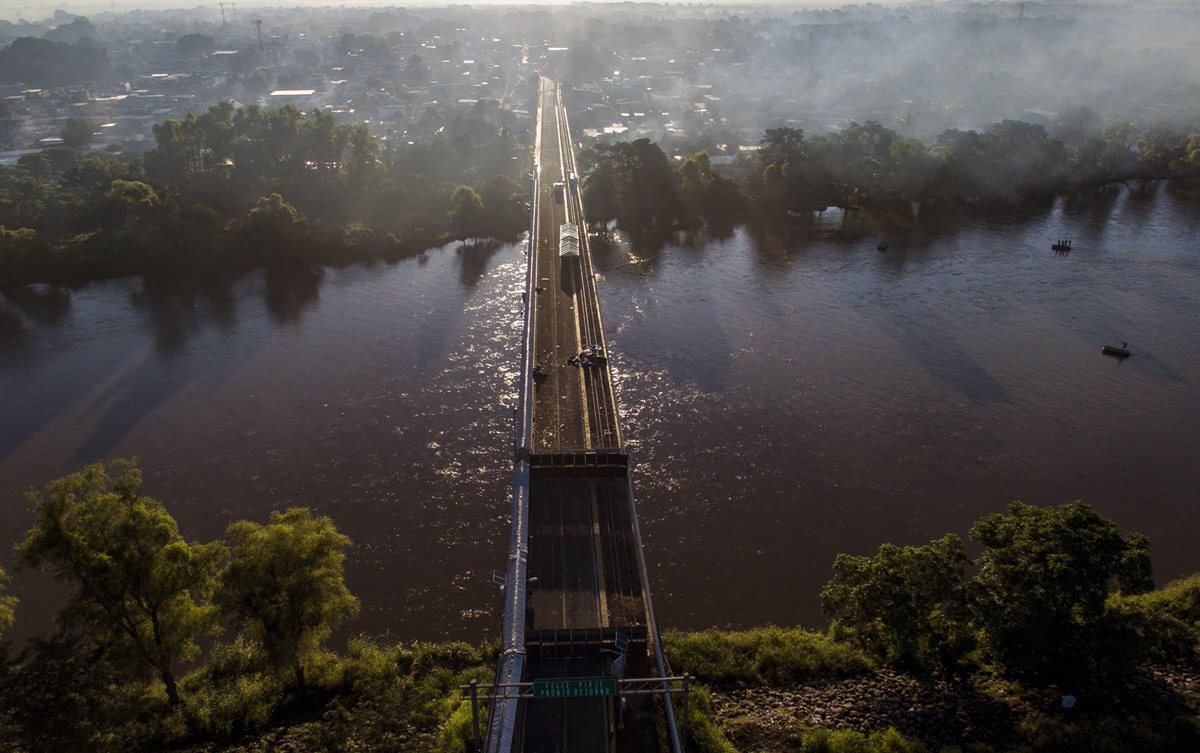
[382,697]
[976,713]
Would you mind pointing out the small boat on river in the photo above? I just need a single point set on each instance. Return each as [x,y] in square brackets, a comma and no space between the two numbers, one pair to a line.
[1112,350]
[882,247]
[1062,247]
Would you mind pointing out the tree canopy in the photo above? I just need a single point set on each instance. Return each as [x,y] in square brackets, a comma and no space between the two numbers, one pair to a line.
[137,582]
[42,62]
[1039,607]
[241,187]
[77,133]
[906,603]
[1045,575]
[7,604]
[284,584]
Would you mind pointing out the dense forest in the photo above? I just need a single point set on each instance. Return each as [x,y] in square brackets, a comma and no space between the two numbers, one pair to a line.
[234,188]
[169,643]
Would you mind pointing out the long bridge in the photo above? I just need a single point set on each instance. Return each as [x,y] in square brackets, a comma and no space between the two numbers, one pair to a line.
[581,668]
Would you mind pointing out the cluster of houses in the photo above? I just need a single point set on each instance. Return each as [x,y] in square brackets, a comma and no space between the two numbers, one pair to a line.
[408,89]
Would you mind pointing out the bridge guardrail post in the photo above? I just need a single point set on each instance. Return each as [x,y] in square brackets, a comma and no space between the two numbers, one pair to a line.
[684,731]
[475,715]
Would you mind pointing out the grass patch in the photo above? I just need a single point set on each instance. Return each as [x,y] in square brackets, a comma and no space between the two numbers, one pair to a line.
[849,741]
[763,656]
[1167,621]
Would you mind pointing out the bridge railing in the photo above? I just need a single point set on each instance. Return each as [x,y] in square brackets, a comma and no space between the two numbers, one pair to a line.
[503,717]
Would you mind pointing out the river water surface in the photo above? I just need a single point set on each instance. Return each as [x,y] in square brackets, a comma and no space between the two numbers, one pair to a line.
[784,399]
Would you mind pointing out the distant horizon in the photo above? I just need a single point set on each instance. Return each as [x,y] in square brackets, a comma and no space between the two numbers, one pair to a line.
[35,13]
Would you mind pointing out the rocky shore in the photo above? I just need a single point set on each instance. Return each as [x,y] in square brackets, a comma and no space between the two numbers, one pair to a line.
[937,712]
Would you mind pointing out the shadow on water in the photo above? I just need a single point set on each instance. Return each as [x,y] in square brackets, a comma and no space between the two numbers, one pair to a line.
[944,359]
[27,312]
[1185,195]
[12,331]
[289,290]
[1139,205]
[178,307]
[473,260]
[44,304]
[780,238]
[447,306]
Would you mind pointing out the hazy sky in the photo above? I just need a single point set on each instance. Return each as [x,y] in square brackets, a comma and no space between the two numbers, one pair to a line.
[37,11]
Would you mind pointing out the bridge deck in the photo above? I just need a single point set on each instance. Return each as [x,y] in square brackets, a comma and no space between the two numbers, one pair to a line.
[585,585]
[582,555]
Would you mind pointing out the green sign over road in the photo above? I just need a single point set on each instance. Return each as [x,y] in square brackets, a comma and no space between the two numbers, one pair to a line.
[590,686]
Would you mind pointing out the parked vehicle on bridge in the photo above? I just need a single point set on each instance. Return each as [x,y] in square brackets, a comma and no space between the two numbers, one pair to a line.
[573,184]
[568,240]
[558,192]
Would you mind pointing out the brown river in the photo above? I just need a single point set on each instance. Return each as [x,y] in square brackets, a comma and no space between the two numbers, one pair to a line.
[784,399]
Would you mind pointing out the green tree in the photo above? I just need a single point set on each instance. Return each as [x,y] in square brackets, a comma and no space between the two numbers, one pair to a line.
[195,44]
[1159,151]
[1039,599]
[24,256]
[275,228]
[782,145]
[906,604]
[705,193]
[67,693]
[139,584]
[133,195]
[285,585]
[466,213]
[176,153]
[1189,163]
[642,187]
[504,206]
[7,604]
[77,133]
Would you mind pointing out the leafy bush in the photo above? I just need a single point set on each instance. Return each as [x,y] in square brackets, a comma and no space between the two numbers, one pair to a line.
[234,692]
[1039,600]
[704,736]
[772,656]
[907,605]
[458,734]
[1167,621]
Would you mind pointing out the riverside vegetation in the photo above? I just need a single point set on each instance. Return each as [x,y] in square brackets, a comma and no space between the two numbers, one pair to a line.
[237,188]
[868,166]
[166,644]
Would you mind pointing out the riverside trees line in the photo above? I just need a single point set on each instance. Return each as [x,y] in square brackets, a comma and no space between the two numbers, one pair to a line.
[1062,601]
[235,188]
[868,166]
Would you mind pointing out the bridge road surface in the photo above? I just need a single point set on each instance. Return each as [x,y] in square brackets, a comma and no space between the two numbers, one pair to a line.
[584,553]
